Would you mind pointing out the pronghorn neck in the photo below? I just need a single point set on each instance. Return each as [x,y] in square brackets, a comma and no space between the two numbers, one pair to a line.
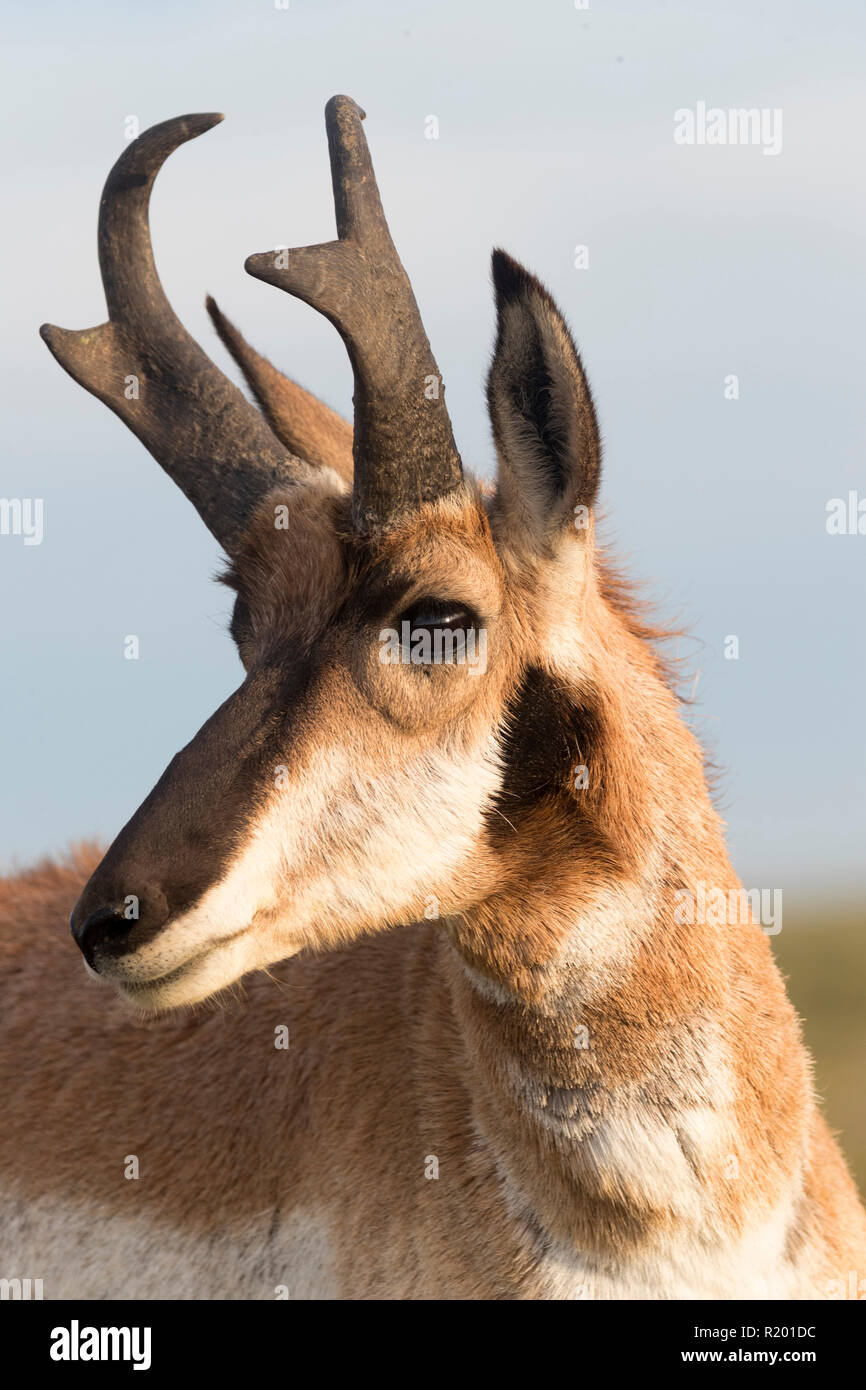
[662,1109]
[631,1074]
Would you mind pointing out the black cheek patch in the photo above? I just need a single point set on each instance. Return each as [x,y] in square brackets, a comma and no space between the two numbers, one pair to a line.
[546,737]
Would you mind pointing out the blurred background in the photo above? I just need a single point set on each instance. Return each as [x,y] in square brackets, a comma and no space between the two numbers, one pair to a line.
[554,126]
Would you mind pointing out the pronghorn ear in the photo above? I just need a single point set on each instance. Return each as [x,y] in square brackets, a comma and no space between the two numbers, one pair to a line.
[541,409]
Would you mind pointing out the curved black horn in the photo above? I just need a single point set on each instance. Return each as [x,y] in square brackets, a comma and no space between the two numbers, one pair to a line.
[145,367]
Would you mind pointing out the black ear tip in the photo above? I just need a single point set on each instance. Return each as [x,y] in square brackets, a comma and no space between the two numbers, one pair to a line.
[510,280]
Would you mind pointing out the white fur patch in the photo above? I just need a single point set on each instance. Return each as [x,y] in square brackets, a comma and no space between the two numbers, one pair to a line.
[343,848]
[83,1251]
[697,1263]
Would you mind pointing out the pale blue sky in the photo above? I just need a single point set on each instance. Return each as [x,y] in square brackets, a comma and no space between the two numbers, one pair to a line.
[556,129]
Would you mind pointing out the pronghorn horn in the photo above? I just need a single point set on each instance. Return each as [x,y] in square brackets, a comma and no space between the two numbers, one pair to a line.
[403,445]
[145,367]
[304,424]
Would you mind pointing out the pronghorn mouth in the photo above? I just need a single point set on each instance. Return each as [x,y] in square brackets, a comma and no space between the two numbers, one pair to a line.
[193,979]
[134,987]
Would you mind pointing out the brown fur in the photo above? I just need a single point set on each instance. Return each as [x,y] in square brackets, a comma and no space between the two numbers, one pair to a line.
[230,1133]
[478,956]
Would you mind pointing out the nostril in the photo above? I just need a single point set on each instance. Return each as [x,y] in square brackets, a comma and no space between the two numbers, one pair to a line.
[105,926]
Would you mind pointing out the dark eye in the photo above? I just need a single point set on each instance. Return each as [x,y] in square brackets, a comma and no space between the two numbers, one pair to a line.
[431,613]
[438,632]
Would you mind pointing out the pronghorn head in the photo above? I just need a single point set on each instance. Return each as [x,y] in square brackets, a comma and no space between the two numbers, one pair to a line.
[396,622]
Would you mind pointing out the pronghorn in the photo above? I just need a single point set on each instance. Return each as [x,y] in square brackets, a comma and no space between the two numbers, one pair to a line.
[513,1069]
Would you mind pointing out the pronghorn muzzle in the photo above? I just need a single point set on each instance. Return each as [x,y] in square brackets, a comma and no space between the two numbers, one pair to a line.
[183,837]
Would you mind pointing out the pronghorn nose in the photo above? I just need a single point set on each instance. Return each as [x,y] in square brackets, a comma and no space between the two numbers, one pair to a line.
[106,924]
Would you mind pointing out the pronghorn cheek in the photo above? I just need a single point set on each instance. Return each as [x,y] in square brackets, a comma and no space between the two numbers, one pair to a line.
[342,838]
[351,844]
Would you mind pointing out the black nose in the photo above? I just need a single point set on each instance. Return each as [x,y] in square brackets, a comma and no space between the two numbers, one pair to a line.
[104,928]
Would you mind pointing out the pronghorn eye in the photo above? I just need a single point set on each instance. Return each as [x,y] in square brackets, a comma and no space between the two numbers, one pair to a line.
[438,632]
[436,613]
